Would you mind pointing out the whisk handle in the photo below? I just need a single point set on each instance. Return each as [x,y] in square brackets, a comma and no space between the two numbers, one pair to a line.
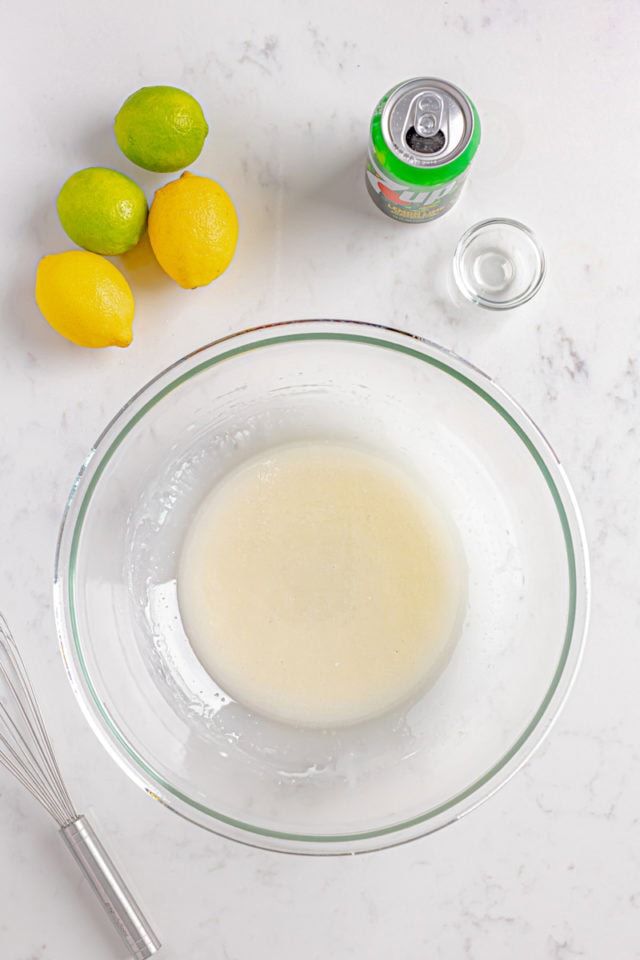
[110,888]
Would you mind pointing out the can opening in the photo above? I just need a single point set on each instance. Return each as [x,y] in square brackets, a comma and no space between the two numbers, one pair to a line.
[420,144]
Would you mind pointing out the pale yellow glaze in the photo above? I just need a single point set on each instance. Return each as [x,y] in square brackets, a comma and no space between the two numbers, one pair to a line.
[319,585]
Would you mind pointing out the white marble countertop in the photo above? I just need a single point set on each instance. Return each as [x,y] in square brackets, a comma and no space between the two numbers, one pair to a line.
[549,867]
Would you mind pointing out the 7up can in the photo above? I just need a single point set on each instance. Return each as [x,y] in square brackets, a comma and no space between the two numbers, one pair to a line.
[424,135]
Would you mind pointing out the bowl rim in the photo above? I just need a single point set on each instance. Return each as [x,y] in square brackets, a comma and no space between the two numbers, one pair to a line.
[189,366]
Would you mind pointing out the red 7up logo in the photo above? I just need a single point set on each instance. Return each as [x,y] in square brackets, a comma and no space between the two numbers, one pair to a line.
[399,193]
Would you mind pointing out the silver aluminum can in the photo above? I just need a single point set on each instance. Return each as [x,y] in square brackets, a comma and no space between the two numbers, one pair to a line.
[424,134]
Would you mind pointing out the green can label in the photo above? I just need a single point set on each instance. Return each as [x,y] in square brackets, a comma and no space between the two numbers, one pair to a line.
[424,135]
[406,201]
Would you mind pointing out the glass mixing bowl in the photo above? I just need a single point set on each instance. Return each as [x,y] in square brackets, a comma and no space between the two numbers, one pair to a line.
[338,790]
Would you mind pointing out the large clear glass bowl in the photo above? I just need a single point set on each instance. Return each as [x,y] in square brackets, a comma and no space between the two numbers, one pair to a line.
[205,756]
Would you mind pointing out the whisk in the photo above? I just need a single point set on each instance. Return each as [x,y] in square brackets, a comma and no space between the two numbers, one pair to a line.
[26,751]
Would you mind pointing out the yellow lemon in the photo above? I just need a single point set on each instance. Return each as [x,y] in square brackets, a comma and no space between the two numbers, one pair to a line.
[102,210]
[193,229]
[161,128]
[85,298]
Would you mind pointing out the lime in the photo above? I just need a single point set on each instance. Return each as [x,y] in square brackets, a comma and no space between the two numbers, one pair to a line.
[102,210]
[193,229]
[85,298]
[161,128]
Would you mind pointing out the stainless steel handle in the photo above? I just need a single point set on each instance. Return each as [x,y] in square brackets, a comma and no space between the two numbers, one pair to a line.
[110,888]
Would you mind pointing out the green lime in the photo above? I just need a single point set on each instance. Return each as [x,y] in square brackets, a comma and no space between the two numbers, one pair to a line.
[161,128]
[102,210]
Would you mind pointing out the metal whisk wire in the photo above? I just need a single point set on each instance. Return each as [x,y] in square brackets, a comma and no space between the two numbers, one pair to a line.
[26,751]
[25,748]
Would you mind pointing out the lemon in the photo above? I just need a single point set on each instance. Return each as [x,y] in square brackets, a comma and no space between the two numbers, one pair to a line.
[161,128]
[193,229]
[85,298]
[102,210]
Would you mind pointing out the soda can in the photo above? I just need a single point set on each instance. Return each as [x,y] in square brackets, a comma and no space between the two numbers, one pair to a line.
[424,134]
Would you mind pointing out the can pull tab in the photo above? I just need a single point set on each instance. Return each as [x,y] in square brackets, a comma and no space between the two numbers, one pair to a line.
[424,124]
[427,114]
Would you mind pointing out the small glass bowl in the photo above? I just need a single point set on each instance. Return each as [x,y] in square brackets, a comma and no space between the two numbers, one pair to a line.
[498,264]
